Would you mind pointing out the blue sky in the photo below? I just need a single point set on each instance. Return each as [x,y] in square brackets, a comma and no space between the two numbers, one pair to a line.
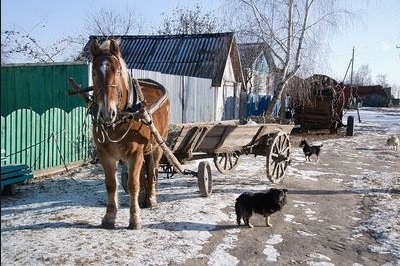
[374,34]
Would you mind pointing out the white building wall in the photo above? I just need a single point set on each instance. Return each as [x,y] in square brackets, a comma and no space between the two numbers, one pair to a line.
[227,96]
[192,99]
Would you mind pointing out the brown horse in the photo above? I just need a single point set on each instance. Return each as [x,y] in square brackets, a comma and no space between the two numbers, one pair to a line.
[120,133]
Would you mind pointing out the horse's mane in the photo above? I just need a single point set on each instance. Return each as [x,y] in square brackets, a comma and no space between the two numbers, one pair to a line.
[105,47]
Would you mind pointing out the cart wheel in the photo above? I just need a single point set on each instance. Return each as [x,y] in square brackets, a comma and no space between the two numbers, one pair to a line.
[278,157]
[226,162]
[204,179]
[350,126]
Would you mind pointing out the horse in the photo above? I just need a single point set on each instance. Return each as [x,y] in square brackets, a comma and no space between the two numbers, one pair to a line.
[121,134]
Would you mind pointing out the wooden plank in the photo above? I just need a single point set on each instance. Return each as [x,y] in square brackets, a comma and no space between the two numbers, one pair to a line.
[16,180]
[239,136]
[12,174]
[13,168]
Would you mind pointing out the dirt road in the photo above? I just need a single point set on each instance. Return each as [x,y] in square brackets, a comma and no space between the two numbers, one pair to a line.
[342,210]
[322,223]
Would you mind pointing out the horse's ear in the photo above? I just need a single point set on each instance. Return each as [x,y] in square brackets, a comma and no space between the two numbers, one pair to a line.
[114,48]
[95,48]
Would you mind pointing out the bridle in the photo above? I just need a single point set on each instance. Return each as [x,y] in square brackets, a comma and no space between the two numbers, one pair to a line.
[102,89]
[134,109]
[125,111]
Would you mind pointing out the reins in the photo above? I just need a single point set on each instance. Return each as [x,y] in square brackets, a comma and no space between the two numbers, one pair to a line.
[105,132]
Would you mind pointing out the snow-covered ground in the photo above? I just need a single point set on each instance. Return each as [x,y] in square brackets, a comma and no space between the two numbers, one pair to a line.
[55,221]
[384,223]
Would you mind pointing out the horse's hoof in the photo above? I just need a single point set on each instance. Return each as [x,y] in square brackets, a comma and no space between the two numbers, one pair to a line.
[134,226]
[107,225]
[151,203]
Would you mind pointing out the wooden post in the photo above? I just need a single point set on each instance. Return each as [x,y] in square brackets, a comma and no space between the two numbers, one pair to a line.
[78,90]
[168,153]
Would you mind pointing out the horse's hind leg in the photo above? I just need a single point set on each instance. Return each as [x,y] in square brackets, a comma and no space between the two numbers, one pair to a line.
[109,167]
[147,196]
[134,168]
[143,185]
[152,177]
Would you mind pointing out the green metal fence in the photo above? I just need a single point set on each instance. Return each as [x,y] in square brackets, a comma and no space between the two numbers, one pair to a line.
[41,125]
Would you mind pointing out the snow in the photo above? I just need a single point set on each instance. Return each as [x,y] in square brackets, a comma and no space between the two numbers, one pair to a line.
[221,256]
[388,206]
[55,221]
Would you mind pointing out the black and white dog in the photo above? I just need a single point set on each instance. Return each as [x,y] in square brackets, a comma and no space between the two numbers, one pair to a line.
[309,150]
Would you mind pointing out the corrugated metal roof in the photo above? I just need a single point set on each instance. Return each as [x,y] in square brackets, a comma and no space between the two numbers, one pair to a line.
[196,55]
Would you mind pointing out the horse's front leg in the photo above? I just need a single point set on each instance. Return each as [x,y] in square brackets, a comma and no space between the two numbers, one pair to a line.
[110,168]
[134,168]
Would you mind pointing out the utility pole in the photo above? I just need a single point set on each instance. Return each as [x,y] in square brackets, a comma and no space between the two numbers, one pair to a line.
[351,86]
[352,65]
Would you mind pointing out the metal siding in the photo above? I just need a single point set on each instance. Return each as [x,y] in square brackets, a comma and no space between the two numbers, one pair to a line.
[42,129]
[198,102]
[43,86]
[173,85]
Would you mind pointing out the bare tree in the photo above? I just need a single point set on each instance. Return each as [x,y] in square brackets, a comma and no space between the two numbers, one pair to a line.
[7,48]
[188,21]
[18,43]
[381,79]
[363,76]
[288,28]
[108,22]
[395,90]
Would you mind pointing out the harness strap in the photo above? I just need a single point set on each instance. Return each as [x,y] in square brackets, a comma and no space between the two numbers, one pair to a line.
[160,101]
[135,95]
[134,110]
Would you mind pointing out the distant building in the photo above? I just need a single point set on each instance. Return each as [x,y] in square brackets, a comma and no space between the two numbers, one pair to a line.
[256,64]
[259,77]
[374,96]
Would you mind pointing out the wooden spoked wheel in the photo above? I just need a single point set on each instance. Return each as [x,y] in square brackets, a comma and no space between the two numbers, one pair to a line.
[226,162]
[204,179]
[278,157]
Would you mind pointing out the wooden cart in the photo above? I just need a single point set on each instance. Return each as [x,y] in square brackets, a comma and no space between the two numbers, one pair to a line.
[225,142]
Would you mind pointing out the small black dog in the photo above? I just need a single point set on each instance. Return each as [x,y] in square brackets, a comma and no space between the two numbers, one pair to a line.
[264,203]
[310,150]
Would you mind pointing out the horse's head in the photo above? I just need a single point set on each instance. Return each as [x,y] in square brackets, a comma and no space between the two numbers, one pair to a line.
[110,80]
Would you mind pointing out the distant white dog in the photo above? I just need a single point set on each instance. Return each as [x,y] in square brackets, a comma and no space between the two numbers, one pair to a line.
[393,142]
